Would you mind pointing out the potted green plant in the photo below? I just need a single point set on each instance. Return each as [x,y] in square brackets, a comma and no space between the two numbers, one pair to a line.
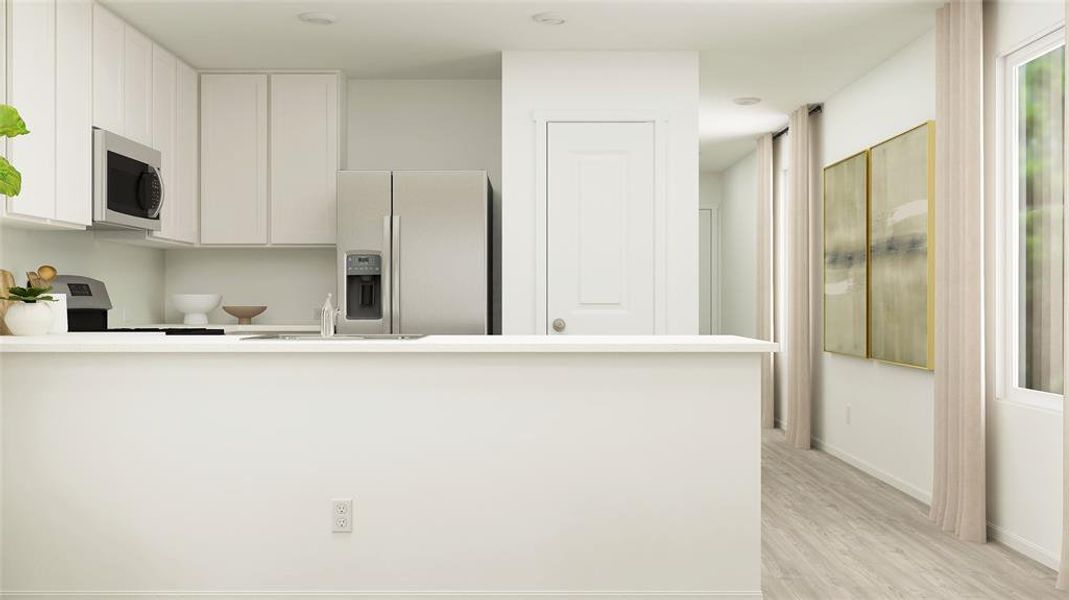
[29,313]
[11,125]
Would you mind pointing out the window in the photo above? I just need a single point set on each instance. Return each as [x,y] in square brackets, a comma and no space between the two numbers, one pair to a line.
[1034,200]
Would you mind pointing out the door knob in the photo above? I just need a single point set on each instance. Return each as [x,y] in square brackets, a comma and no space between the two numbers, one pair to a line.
[559,325]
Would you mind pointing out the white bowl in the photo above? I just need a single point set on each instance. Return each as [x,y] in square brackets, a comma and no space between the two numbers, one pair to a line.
[195,307]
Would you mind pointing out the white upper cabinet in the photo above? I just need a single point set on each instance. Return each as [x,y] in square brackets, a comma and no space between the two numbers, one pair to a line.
[108,51]
[241,192]
[49,82]
[185,192]
[32,90]
[3,63]
[164,90]
[304,158]
[74,85]
[122,77]
[233,159]
[137,86]
[73,65]
[142,91]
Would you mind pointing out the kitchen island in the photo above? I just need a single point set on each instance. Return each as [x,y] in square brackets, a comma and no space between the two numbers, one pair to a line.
[494,467]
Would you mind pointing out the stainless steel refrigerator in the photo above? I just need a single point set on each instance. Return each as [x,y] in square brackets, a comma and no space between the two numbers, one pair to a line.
[414,252]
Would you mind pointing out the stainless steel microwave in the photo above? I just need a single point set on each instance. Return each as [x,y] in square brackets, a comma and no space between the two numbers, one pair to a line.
[127,187]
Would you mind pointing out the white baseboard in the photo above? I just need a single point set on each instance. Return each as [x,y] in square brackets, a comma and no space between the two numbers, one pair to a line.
[995,533]
[924,496]
[1022,546]
[704,595]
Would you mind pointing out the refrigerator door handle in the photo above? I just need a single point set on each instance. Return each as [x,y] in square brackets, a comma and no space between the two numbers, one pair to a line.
[395,275]
[387,276]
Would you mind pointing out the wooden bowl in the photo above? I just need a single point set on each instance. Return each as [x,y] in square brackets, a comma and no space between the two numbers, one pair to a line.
[244,313]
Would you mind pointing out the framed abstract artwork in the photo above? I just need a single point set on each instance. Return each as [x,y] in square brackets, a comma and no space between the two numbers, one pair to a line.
[901,259]
[846,196]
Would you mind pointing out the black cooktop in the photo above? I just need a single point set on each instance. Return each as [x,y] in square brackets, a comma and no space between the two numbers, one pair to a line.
[170,330]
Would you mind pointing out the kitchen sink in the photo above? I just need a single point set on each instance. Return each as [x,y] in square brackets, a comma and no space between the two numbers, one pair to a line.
[338,336]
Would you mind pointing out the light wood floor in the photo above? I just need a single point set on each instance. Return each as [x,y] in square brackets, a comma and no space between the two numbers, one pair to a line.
[831,532]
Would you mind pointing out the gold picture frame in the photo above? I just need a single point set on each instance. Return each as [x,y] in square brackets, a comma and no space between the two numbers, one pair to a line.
[846,247]
[901,249]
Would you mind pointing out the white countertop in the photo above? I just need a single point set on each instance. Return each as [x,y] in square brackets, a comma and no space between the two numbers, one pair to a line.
[160,343]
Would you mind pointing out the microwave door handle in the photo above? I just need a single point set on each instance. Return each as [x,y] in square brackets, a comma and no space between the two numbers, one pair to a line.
[163,193]
[387,276]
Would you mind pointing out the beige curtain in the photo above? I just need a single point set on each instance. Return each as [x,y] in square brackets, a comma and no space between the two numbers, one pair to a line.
[764,274]
[1063,569]
[958,487]
[799,371]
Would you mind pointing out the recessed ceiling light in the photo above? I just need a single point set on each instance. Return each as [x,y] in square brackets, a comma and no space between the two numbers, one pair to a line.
[548,18]
[746,101]
[318,18]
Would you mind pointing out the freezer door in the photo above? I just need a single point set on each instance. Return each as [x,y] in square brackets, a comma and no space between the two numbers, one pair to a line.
[364,221]
[441,236]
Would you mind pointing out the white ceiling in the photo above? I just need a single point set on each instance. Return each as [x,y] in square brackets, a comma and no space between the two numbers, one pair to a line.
[787,52]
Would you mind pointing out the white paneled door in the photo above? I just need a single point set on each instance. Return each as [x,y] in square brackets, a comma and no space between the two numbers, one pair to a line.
[600,242]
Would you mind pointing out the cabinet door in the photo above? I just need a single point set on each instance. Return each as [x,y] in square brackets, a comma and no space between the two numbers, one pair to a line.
[600,228]
[108,51]
[137,87]
[233,150]
[33,92]
[3,64]
[187,152]
[304,158]
[164,89]
[74,140]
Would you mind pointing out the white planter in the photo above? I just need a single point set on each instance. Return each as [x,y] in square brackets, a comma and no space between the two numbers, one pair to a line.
[29,319]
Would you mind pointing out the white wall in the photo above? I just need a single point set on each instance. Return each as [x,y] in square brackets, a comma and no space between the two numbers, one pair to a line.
[291,282]
[710,189]
[1024,445]
[661,82]
[392,125]
[425,124]
[133,274]
[874,415]
[738,248]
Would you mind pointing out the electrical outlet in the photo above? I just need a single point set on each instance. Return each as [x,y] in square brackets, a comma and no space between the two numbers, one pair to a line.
[341,515]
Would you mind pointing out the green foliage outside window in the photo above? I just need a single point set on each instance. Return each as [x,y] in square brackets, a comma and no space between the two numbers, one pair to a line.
[1041,102]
